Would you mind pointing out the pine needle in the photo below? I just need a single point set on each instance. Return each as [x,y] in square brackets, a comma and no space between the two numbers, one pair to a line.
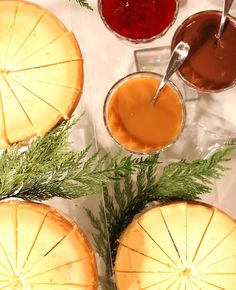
[50,168]
[130,195]
[85,4]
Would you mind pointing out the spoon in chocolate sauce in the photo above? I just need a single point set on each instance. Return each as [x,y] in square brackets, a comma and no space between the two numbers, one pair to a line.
[177,58]
[226,7]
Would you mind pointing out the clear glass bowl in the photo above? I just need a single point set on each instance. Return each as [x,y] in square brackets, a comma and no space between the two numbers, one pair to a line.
[141,40]
[184,26]
[121,82]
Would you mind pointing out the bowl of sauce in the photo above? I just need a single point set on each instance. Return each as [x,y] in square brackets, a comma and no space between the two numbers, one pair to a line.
[211,64]
[137,124]
[138,21]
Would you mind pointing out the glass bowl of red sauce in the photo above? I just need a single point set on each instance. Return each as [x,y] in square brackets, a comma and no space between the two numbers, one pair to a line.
[138,125]
[138,21]
[211,65]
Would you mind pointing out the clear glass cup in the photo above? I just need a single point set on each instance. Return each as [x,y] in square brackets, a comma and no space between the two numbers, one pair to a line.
[208,57]
[125,145]
[134,40]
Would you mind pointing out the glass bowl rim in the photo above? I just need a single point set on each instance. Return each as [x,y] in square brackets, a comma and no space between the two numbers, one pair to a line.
[136,75]
[188,83]
[139,40]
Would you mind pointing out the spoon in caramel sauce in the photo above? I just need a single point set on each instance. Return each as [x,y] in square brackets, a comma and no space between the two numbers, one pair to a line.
[226,7]
[177,58]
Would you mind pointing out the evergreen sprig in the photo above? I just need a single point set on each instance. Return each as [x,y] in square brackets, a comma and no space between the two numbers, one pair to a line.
[49,168]
[84,3]
[130,195]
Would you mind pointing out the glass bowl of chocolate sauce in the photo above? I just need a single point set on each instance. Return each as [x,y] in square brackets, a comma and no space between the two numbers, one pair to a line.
[138,21]
[211,64]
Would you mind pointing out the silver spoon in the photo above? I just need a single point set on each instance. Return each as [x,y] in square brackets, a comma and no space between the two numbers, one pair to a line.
[176,60]
[226,7]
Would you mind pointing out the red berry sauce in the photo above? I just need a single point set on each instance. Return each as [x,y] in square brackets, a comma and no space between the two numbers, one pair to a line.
[138,19]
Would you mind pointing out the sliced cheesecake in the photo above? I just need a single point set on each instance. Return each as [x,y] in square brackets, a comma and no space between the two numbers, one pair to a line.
[41,71]
[42,249]
[187,246]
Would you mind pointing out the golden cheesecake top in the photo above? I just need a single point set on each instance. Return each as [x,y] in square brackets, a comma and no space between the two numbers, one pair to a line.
[41,71]
[178,246]
[40,249]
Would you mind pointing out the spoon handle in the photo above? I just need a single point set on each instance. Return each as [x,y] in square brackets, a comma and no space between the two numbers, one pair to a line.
[176,60]
[226,7]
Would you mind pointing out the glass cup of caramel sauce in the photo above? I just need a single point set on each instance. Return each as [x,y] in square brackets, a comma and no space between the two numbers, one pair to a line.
[138,21]
[137,124]
[211,63]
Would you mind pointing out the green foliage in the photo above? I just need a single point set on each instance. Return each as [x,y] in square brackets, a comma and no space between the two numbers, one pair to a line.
[50,168]
[85,4]
[130,195]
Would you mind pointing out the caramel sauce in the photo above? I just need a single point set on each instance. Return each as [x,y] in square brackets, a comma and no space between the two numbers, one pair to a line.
[138,124]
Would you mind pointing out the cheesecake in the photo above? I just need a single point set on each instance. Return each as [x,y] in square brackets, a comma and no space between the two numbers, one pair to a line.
[41,249]
[41,71]
[178,246]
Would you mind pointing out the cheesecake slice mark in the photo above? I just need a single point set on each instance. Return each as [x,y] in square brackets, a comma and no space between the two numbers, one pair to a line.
[44,65]
[218,261]
[203,236]
[16,234]
[218,287]
[26,110]
[10,27]
[190,284]
[8,260]
[8,273]
[175,246]
[43,47]
[196,285]
[186,233]
[181,280]
[62,287]
[24,41]
[172,283]
[144,272]
[147,256]
[45,82]
[219,243]
[64,284]
[22,7]
[7,285]
[8,277]
[8,94]
[36,237]
[58,267]
[158,283]
[13,211]
[50,250]
[18,101]
[3,120]
[157,244]
[11,34]
[3,281]
[50,105]
[217,273]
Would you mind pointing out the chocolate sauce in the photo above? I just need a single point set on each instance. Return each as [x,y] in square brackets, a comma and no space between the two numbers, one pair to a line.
[211,64]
